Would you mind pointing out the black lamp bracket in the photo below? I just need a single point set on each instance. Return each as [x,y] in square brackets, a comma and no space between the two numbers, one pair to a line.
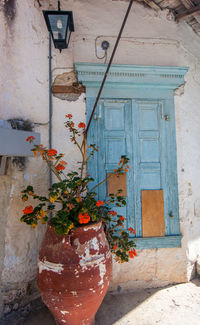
[59,5]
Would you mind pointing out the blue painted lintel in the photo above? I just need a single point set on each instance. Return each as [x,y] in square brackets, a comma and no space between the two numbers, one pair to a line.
[91,75]
[158,242]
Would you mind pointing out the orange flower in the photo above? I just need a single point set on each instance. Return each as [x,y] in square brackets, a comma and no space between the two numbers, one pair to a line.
[68,115]
[99,203]
[126,170]
[63,163]
[84,217]
[30,139]
[132,253]
[127,167]
[52,152]
[115,247]
[113,213]
[81,125]
[121,218]
[28,209]
[131,230]
[60,167]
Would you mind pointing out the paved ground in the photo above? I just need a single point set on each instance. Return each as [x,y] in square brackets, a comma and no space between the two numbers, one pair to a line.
[173,305]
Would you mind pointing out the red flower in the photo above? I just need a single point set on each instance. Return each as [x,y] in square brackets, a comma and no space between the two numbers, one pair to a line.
[28,209]
[132,253]
[99,203]
[131,230]
[112,213]
[60,167]
[115,247]
[30,139]
[121,218]
[52,152]
[81,125]
[68,115]
[84,217]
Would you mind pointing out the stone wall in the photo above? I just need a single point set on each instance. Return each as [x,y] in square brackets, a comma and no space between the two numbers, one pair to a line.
[149,38]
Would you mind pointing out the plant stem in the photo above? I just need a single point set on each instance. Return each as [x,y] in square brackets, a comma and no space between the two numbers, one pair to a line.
[52,168]
[101,182]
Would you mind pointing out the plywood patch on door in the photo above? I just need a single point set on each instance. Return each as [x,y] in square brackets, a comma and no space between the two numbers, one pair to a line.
[115,183]
[153,221]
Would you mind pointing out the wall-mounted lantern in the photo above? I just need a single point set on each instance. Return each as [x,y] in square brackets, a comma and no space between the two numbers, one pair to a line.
[60,24]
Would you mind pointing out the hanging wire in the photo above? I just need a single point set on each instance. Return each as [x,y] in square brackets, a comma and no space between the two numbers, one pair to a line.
[106,52]
[59,5]
[108,68]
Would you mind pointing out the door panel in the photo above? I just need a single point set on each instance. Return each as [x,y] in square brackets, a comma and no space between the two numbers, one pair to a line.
[148,153]
[114,140]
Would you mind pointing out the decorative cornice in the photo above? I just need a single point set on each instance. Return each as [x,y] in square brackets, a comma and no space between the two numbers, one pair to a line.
[91,75]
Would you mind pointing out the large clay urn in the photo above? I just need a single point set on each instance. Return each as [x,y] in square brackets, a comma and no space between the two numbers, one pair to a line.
[74,272]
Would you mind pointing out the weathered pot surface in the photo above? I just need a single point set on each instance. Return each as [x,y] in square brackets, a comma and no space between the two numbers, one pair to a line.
[74,273]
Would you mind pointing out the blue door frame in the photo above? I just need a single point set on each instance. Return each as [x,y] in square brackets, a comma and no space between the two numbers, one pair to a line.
[147,94]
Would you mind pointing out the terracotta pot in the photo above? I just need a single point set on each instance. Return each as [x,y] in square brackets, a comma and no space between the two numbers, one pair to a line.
[74,273]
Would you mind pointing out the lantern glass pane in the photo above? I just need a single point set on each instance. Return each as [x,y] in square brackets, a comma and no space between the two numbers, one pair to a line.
[58,26]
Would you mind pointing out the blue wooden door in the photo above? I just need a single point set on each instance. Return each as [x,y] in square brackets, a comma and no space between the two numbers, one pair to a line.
[136,129]
[115,140]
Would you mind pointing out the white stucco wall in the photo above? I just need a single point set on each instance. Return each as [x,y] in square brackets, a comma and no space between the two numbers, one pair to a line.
[149,38]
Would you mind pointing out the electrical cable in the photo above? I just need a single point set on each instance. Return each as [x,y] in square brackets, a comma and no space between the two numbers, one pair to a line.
[109,64]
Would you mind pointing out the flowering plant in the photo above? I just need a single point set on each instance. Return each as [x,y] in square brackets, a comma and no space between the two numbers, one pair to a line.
[71,204]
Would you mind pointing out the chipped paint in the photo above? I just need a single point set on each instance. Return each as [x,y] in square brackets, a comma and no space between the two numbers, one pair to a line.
[102,272]
[74,293]
[95,244]
[86,258]
[86,262]
[94,227]
[49,266]
[64,312]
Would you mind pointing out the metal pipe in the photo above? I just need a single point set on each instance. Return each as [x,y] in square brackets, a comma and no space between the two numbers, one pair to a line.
[50,106]
[109,64]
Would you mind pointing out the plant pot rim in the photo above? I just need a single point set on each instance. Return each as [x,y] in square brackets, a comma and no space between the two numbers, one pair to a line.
[85,227]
